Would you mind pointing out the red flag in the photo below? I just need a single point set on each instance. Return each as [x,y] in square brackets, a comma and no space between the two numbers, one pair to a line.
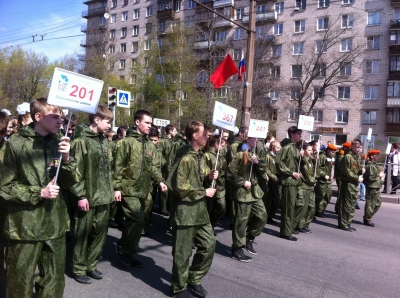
[224,71]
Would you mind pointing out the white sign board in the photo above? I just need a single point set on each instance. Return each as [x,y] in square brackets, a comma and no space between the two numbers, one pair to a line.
[160,122]
[388,148]
[258,129]
[224,116]
[123,99]
[306,123]
[369,134]
[74,91]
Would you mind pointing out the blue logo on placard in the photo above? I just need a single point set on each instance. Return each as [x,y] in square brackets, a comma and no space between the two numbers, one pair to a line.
[63,83]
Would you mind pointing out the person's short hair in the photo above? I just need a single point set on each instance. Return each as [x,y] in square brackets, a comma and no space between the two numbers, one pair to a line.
[192,128]
[169,128]
[40,105]
[121,129]
[356,142]
[74,120]
[306,145]
[268,138]
[274,144]
[4,119]
[140,114]
[395,145]
[208,129]
[243,130]
[313,143]
[109,133]
[212,140]
[293,130]
[103,113]
[154,132]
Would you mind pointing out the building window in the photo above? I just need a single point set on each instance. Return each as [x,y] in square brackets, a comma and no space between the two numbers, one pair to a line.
[347,21]
[161,26]
[293,115]
[394,37]
[369,117]
[297,71]
[294,94]
[323,3]
[347,2]
[261,8]
[299,26]
[301,4]
[318,115]
[344,92]
[223,92]
[148,28]
[394,63]
[274,114]
[124,32]
[146,62]
[239,34]
[125,2]
[393,89]
[374,18]
[149,11]
[342,116]
[113,18]
[278,29]
[371,92]
[239,13]
[322,24]
[133,79]
[345,68]
[114,3]
[318,93]
[220,36]
[373,43]
[191,4]
[274,95]
[261,31]
[178,5]
[123,48]
[124,16]
[135,31]
[340,139]
[373,66]
[135,47]
[147,45]
[136,14]
[136,1]
[237,54]
[346,45]
[320,70]
[393,115]
[133,63]
[277,50]
[111,49]
[321,47]
[276,71]
[279,7]
[122,64]
[160,42]
[190,21]
[112,34]
[298,48]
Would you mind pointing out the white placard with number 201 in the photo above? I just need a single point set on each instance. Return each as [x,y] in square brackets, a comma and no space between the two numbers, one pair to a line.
[258,129]
[224,116]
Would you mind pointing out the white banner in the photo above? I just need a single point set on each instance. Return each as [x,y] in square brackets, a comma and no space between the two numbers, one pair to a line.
[306,123]
[224,116]
[258,129]
[75,91]
[160,122]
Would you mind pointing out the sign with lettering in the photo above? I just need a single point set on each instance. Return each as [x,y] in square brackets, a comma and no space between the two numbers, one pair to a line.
[258,129]
[75,91]
[306,123]
[330,129]
[224,116]
[160,122]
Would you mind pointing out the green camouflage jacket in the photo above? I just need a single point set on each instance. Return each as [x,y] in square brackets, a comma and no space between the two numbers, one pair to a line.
[238,174]
[93,153]
[33,161]
[177,142]
[350,167]
[164,146]
[210,158]
[136,165]
[287,163]
[371,175]
[2,149]
[272,172]
[232,150]
[188,180]
[324,168]
[307,168]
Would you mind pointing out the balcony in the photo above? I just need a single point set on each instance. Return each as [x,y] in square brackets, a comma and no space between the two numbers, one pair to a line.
[268,16]
[395,3]
[83,43]
[394,75]
[209,4]
[87,2]
[201,45]
[94,12]
[265,38]
[223,3]
[394,49]
[166,14]
[395,24]
[392,129]
[84,28]
[222,23]
[393,102]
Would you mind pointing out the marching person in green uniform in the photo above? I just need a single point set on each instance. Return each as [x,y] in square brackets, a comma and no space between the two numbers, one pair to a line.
[92,195]
[216,206]
[323,189]
[37,217]
[287,164]
[336,172]
[136,166]
[190,180]
[250,215]
[305,202]
[373,178]
[274,185]
[350,175]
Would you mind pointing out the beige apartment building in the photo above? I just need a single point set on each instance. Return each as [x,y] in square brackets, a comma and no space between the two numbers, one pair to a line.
[343,56]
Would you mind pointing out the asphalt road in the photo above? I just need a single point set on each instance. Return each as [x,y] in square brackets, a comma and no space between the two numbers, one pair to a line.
[327,263]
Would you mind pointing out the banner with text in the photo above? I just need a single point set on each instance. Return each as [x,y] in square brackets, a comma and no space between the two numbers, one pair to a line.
[224,116]
[258,129]
[306,123]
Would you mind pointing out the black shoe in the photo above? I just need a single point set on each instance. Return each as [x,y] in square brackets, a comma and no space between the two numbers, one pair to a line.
[353,229]
[165,213]
[215,234]
[137,264]
[113,224]
[193,246]
[250,247]
[347,229]
[83,279]
[123,257]
[184,294]
[95,274]
[290,238]
[270,221]
[304,230]
[320,214]
[296,232]
[146,234]
[238,254]
[369,223]
[358,207]
[197,291]
[308,230]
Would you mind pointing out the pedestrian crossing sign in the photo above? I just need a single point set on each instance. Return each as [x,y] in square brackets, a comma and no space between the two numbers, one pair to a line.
[124,99]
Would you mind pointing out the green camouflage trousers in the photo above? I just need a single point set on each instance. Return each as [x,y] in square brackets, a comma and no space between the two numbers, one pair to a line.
[148,211]
[372,202]
[348,197]
[304,207]
[133,209]
[323,194]
[184,237]
[250,219]
[163,200]
[22,259]
[273,200]
[116,212]
[337,205]
[216,208]
[90,235]
[289,195]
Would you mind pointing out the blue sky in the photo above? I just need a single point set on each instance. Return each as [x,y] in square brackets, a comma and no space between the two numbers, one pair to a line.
[20,19]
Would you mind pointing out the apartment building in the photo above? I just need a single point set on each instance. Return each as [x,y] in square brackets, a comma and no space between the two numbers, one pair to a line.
[362,92]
